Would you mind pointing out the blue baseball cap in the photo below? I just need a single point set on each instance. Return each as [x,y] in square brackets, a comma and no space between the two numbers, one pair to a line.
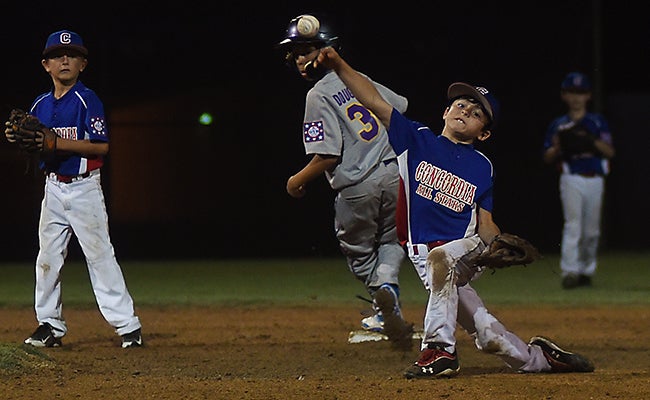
[64,40]
[487,100]
[576,81]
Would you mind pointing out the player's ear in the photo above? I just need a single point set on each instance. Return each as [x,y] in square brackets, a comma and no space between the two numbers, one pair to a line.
[444,114]
[484,135]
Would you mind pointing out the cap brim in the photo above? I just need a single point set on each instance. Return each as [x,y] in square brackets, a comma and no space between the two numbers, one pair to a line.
[79,49]
[458,89]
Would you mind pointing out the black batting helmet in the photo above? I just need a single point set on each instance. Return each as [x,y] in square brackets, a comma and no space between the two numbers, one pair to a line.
[325,36]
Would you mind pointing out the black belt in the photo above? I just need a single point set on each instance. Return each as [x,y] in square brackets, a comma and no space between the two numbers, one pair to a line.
[69,178]
[386,162]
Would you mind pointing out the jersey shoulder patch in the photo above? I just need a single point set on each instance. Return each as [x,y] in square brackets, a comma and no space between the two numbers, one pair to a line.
[313,131]
[98,126]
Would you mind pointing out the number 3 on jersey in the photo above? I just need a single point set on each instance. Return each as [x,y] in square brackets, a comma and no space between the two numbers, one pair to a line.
[370,124]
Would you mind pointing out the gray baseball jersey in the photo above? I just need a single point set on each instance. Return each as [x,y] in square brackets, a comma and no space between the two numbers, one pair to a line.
[337,124]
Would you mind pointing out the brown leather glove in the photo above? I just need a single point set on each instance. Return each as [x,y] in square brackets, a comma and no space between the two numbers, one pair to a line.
[29,133]
[506,250]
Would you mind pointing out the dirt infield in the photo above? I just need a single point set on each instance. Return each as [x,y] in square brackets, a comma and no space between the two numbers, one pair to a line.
[303,353]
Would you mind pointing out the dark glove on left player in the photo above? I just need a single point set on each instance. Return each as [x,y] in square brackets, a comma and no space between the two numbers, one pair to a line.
[29,133]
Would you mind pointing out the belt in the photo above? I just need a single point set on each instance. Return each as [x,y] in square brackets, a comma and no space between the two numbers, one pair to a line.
[430,245]
[433,245]
[588,174]
[68,178]
[386,162]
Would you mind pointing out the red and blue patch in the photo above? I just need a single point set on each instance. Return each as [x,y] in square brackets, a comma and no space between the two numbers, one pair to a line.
[313,131]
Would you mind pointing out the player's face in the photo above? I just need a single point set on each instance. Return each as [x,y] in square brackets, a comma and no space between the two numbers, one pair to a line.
[302,54]
[64,65]
[576,100]
[466,120]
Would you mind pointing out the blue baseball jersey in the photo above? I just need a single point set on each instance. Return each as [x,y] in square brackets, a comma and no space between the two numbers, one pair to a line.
[588,163]
[443,183]
[78,115]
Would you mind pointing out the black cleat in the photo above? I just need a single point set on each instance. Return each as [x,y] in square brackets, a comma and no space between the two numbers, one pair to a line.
[572,281]
[561,360]
[43,336]
[132,339]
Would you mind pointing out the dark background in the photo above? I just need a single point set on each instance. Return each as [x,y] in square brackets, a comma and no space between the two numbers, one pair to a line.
[175,189]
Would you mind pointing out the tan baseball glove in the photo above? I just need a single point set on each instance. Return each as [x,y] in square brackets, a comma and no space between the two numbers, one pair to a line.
[506,250]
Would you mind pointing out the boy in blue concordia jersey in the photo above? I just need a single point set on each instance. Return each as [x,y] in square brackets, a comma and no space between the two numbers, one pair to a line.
[582,179]
[447,221]
[73,199]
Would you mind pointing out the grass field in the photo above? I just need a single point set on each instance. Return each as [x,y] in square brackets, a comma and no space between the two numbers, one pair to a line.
[622,278]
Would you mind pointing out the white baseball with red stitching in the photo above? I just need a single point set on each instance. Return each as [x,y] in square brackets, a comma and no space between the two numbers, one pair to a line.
[308,26]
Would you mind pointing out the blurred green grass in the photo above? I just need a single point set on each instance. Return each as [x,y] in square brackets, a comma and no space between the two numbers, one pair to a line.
[622,278]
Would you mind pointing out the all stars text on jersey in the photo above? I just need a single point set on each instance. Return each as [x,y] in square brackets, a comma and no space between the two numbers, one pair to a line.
[453,191]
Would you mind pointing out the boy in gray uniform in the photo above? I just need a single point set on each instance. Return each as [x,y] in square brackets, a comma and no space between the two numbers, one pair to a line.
[350,146]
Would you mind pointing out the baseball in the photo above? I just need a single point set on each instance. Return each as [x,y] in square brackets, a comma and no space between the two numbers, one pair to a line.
[308,26]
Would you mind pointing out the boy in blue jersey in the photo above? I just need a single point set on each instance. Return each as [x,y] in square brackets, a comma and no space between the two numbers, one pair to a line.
[583,167]
[74,201]
[445,220]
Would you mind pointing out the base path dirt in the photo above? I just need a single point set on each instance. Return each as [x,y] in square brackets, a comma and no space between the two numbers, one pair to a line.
[303,353]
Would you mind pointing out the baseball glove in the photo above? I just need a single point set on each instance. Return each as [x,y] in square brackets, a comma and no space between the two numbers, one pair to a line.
[29,133]
[575,140]
[506,250]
